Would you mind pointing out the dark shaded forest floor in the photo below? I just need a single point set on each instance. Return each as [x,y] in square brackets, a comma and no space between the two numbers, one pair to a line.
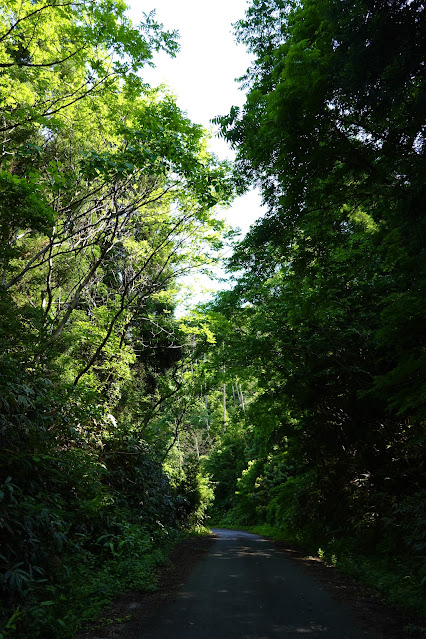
[130,611]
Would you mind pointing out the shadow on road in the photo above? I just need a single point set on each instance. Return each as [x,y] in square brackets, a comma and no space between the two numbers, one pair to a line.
[246,589]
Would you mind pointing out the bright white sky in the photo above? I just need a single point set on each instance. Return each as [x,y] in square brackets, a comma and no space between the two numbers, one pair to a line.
[202,76]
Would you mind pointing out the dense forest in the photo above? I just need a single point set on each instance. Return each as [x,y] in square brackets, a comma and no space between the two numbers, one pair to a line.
[294,402]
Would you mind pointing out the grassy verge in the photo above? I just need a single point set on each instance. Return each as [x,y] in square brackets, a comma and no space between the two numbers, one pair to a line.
[85,586]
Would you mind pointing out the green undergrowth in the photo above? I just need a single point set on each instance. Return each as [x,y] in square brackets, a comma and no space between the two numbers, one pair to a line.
[394,580]
[200,531]
[85,587]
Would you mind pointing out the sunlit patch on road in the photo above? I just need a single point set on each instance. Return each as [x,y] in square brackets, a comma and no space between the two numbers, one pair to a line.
[246,589]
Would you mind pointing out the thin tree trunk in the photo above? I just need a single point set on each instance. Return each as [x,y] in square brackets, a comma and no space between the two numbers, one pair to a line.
[242,399]
[207,413]
[224,408]
[180,458]
[197,449]
[241,396]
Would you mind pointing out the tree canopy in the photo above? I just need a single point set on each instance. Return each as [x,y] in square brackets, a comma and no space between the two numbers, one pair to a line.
[295,399]
[327,309]
[107,197]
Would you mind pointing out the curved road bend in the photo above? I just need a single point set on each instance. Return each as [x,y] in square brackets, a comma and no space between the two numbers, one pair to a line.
[246,589]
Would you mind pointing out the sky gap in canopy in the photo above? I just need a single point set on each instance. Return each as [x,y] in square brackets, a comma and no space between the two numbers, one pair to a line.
[203,74]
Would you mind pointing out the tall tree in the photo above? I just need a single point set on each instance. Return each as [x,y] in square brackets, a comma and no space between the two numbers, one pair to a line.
[333,276]
[107,197]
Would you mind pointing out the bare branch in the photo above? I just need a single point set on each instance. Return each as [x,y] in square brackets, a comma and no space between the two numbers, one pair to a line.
[5,65]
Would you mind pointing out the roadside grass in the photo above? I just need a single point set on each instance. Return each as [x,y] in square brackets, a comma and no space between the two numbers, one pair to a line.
[86,586]
[394,581]
[85,589]
[199,531]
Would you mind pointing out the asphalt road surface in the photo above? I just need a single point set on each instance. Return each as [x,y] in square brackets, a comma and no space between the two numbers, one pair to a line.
[246,589]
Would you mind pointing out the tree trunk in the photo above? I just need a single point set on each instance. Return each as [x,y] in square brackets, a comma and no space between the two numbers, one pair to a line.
[224,408]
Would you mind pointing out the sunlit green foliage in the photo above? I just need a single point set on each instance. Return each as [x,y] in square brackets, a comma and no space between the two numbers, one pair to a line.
[107,197]
[298,396]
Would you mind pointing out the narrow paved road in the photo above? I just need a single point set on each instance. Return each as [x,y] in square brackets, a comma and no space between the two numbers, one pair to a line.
[246,589]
